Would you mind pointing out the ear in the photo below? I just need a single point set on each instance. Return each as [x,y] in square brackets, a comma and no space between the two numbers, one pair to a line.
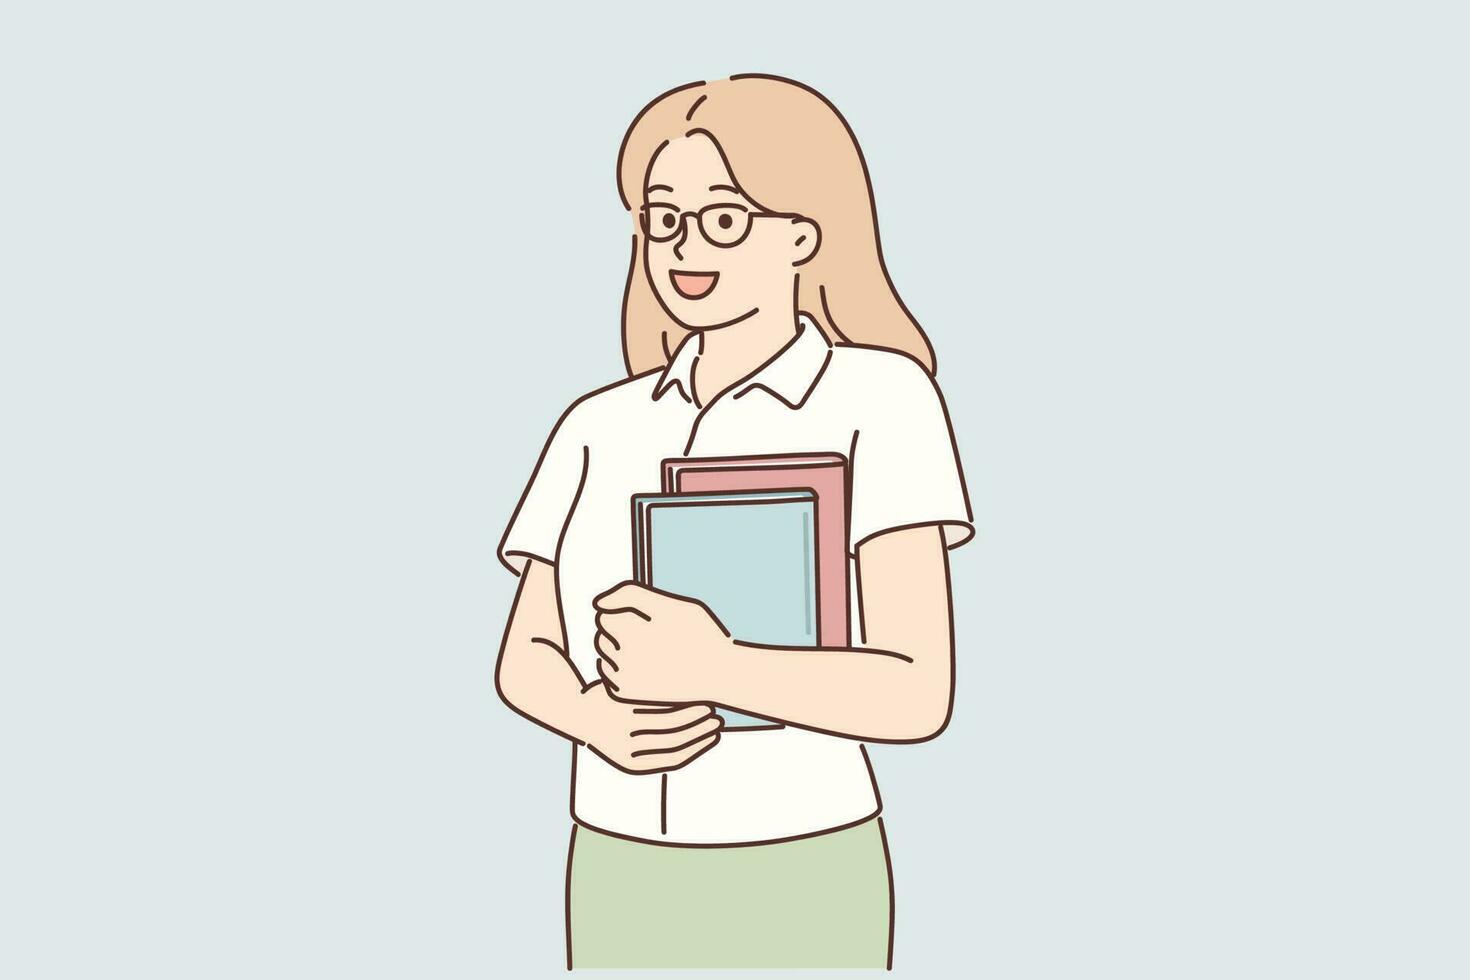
[806,239]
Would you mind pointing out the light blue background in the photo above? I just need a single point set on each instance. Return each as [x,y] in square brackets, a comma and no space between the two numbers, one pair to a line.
[292,292]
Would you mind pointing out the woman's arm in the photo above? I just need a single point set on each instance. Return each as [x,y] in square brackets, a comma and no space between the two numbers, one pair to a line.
[533,675]
[897,687]
[536,679]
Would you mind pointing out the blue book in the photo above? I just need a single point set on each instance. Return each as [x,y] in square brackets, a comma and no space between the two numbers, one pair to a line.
[750,557]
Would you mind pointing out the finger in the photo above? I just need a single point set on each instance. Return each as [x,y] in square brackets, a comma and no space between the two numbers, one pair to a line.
[607,647]
[603,631]
[627,597]
[654,742]
[619,625]
[618,595]
[666,761]
[667,718]
[602,671]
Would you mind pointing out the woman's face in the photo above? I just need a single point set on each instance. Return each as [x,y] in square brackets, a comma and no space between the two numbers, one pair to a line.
[713,255]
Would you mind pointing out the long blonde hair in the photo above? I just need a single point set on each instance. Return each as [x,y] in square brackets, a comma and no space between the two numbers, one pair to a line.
[790,150]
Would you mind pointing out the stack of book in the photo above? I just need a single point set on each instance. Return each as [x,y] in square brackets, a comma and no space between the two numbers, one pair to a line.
[760,540]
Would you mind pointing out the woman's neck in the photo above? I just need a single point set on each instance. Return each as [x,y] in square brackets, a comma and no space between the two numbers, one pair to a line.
[731,354]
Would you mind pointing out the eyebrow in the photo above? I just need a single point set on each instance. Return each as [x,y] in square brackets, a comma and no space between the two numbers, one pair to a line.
[659,187]
[724,187]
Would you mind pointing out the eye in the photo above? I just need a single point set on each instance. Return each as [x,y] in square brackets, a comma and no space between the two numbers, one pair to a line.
[660,221]
[725,224]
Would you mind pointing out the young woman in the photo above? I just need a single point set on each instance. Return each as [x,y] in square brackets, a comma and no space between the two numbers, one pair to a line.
[758,318]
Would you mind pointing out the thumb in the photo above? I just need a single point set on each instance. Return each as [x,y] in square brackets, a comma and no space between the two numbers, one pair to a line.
[627,597]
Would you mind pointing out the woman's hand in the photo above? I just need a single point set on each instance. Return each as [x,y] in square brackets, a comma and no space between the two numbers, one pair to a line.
[656,647]
[646,739]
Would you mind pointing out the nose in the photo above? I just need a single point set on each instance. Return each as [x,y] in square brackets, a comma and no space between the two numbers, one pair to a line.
[683,236]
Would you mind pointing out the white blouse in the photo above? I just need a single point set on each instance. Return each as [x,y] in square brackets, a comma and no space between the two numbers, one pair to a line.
[879,409]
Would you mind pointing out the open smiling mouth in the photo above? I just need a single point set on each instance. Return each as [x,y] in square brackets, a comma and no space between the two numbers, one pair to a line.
[693,285]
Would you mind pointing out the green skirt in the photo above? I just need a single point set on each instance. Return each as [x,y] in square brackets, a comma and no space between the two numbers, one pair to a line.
[823,901]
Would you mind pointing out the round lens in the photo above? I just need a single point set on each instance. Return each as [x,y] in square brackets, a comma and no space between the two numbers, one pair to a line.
[660,221]
[725,225]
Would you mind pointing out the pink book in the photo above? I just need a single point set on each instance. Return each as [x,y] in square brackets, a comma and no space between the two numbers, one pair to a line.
[823,473]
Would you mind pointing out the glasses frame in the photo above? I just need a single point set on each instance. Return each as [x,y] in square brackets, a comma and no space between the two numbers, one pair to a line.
[698,216]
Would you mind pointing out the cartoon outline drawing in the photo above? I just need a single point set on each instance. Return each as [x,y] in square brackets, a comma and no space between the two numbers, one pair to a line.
[755,232]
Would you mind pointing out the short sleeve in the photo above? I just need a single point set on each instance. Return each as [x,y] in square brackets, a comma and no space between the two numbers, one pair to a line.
[905,465]
[536,525]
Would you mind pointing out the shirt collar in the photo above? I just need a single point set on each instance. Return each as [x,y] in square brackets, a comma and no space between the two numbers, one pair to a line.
[789,375]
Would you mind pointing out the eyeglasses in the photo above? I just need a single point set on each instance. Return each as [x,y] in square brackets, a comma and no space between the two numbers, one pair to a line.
[722,225]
